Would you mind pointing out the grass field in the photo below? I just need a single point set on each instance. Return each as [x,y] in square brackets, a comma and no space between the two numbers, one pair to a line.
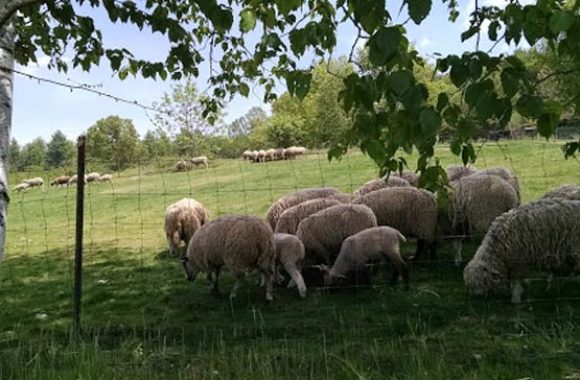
[142,320]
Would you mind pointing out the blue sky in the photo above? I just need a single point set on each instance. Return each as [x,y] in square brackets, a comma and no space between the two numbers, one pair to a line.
[40,108]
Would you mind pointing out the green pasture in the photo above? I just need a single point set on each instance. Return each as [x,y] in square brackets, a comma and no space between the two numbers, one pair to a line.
[142,320]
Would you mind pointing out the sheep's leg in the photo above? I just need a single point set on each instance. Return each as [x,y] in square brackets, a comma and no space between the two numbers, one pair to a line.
[457,245]
[517,290]
[240,277]
[270,286]
[213,278]
[298,281]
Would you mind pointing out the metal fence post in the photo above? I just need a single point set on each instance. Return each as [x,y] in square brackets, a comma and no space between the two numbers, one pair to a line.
[78,279]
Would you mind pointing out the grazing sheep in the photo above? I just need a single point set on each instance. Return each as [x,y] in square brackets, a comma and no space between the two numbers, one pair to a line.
[261,155]
[289,219]
[280,154]
[381,183]
[506,175]
[291,152]
[61,180]
[542,235]
[299,150]
[290,253]
[292,199]
[410,210]
[182,219]
[74,179]
[106,178]
[247,155]
[241,243]
[92,177]
[323,232]
[412,178]
[571,192]
[475,203]
[34,182]
[201,160]
[21,187]
[182,166]
[455,172]
[367,246]
[270,155]
[255,156]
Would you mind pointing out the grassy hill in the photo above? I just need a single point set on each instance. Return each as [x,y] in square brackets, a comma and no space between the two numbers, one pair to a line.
[143,320]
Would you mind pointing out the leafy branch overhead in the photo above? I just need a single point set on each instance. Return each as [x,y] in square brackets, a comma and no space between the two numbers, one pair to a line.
[390,106]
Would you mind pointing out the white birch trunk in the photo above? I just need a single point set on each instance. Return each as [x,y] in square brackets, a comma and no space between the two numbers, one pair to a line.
[7,34]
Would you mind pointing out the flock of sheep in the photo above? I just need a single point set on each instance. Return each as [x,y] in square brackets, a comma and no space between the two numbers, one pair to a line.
[278,154]
[63,180]
[185,165]
[323,236]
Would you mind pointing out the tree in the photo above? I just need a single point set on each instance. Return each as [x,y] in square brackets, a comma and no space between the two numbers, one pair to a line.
[14,155]
[33,154]
[156,144]
[244,125]
[59,150]
[114,142]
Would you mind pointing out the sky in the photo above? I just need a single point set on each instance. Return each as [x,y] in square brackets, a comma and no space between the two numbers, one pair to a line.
[39,108]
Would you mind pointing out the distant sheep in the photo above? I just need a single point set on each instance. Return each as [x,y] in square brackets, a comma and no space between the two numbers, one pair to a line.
[292,199]
[61,180]
[367,246]
[323,232]
[182,219]
[247,155]
[381,183]
[289,219]
[261,155]
[241,243]
[21,187]
[74,179]
[571,192]
[106,178]
[182,166]
[411,211]
[455,172]
[540,235]
[280,154]
[290,253]
[34,182]
[92,177]
[201,160]
[270,155]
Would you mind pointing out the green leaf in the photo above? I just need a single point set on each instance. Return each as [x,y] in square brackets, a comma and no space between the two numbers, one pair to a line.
[384,45]
[492,30]
[458,74]
[287,6]
[469,33]
[530,106]
[430,122]
[509,81]
[419,9]
[400,81]
[442,101]
[561,21]
[244,89]
[475,69]
[467,153]
[547,123]
[247,20]
[455,147]
[484,106]
[374,149]
[298,83]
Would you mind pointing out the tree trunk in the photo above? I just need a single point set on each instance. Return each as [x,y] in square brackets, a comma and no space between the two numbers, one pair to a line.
[7,34]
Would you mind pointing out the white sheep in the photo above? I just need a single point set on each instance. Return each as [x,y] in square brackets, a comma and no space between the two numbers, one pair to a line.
[201,160]
[61,180]
[247,155]
[290,218]
[74,179]
[34,182]
[571,192]
[455,172]
[241,243]
[542,235]
[367,246]
[182,219]
[106,178]
[92,177]
[381,183]
[21,187]
[290,253]
[507,175]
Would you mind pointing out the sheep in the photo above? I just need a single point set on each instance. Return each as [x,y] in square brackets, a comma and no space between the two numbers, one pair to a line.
[255,156]
[21,187]
[411,177]
[410,210]
[455,172]
[299,150]
[571,192]
[241,243]
[247,155]
[323,232]
[292,199]
[291,217]
[381,183]
[290,253]
[34,182]
[542,234]
[269,155]
[74,179]
[182,166]
[367,246]
[61,180]
[261,155]
[92,177]
[291,153]
[106,178]
[506,175]
[474,204]
[280,154]
[182,219]
[201,160]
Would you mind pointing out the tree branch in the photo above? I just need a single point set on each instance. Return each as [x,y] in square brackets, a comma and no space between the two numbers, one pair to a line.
[12,6]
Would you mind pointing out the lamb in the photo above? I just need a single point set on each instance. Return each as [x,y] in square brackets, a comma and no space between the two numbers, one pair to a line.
[34,182]
[201,160]
[61,180]
[92,177]
[410,210]
[74,179]
[571,192]
[323,232]
[381,183]
[182,219]
[21,187]
[455,172]
[475,203]
[542,234]
[506,175]
[106,178]
[369,245]
[290,253]
[292,199]
[241,243]
[289,219]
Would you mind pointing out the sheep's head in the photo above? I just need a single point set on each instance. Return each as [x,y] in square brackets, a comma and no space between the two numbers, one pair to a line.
[482,279]
[190,271]
[330,278]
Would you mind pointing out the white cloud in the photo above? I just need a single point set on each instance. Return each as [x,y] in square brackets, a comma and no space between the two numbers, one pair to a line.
[424,42]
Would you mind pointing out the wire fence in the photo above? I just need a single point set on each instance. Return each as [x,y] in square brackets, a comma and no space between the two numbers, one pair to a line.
[124,218]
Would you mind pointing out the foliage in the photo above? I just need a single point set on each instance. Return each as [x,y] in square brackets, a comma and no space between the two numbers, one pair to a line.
[33,154]
[59,151]
[114,142]
[157,144]
[14,155]
[244,125]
